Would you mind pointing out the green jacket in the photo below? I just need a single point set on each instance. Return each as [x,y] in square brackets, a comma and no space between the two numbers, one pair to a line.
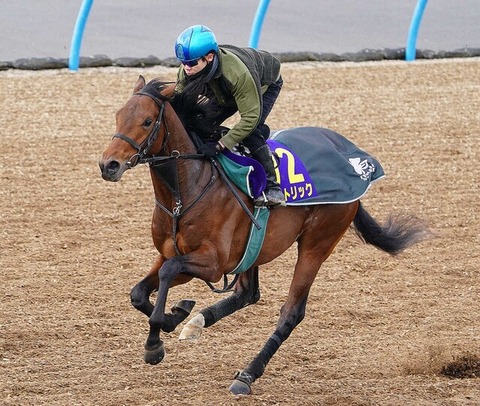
[242,76]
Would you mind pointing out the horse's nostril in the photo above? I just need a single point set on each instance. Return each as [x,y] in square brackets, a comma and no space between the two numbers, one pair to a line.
[112,167]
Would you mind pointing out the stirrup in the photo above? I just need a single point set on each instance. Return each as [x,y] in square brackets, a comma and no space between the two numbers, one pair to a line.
[260,201]
[274,201]
[277,198]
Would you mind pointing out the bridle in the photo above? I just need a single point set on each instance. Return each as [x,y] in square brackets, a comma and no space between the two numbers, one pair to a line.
[144,147]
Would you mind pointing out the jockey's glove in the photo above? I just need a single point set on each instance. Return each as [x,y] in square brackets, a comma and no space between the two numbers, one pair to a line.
[210,149]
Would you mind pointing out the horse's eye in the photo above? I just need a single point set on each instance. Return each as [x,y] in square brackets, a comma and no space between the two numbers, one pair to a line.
[148,122]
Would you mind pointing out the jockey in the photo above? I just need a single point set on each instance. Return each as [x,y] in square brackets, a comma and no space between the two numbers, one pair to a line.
[234,79]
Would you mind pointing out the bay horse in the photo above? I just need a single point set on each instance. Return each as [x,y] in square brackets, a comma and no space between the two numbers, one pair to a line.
[200,229]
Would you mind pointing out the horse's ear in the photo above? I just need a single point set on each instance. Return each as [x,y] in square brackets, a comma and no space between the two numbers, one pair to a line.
[140,84]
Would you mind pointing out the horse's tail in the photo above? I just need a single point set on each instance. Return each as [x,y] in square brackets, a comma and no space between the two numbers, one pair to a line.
[397,234]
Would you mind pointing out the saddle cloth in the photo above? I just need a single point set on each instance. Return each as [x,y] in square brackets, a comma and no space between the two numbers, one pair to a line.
[315,166]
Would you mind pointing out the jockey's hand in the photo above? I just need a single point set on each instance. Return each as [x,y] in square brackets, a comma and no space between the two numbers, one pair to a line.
[209,149]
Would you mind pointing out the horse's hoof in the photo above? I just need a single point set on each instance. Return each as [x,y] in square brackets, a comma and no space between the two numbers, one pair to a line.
[155,355]
[184,305]
[193,329]
[240,388]
[241,383]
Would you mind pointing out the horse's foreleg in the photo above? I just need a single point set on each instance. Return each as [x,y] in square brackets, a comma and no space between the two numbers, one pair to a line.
[175,271]
[246,292]
[169,271]
[140,293]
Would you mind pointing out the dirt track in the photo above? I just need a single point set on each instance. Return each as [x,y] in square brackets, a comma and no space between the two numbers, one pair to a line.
[378,330]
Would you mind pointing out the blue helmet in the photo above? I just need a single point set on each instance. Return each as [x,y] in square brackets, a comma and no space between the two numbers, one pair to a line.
[194,43]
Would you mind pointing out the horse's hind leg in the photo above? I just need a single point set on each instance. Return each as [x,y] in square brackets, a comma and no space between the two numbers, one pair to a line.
[246,292]
[291,314]
[312,252]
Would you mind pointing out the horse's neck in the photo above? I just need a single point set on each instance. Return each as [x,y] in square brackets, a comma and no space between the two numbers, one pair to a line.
[178,138]
[188,175]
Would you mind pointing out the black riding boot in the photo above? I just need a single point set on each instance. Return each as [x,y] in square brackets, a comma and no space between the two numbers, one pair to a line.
[272,195]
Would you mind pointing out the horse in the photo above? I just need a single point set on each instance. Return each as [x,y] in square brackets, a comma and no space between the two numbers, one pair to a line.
[199,228]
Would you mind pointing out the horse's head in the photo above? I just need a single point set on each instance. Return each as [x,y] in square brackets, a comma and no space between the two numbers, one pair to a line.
[140,129]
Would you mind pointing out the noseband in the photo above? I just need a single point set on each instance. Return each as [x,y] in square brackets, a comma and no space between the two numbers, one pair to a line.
[144,147]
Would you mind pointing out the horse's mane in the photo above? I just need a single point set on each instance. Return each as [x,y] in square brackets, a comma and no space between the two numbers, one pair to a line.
[155,88]
[198,117]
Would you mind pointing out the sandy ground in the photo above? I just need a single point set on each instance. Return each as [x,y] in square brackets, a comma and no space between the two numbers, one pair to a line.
[378,330]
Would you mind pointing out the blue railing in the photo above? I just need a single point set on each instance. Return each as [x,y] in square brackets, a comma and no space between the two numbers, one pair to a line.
[411,50]
[74,59]
[258,22]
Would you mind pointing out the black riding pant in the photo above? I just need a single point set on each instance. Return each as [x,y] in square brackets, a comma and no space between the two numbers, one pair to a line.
[258,136]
